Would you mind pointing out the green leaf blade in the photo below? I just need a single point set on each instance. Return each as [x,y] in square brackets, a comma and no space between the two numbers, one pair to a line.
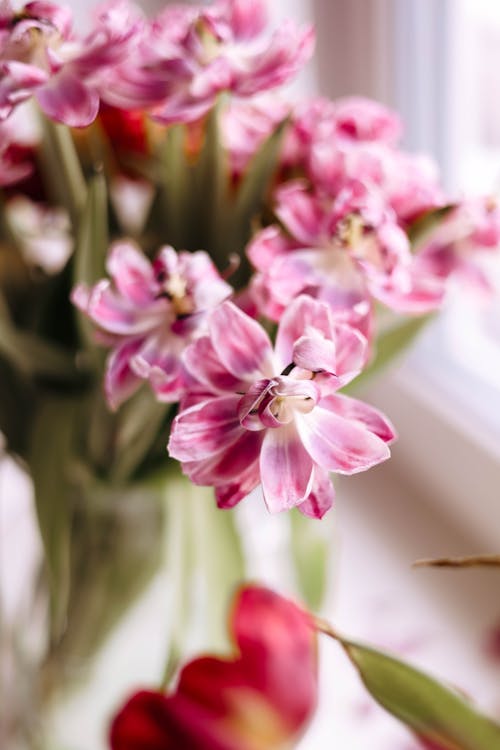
[431,710]
[49,458]
[390,344]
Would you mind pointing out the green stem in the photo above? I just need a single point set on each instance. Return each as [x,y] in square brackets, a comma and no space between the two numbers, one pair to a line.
[61,168]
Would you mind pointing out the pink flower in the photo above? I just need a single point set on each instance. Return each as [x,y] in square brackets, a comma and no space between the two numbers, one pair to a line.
[345,251]
[333,142]
[259,699]
[274,417]
[148,313]
[360,119]
[462,241]
[40,56]
[246,124]
[190,54]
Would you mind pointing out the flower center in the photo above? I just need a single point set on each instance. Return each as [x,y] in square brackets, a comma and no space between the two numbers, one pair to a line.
[276,402]
[176,291]
[351,230]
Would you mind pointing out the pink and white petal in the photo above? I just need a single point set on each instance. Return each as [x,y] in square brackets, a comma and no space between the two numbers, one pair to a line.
[473,276]
[302,315]
[120,380]
[359,411]
[352,352]
[159,361]
[250,404]
[266,246]
[161,350]
[203,278]
[205,429]
[167,262]
[316,353]
[241,343]
[363,119]
[132,273]
[300,212]
[228,495]
[291,275]
[168,388]
[229,464]
[114,314]
[17,82]
[247,18]
[286,52]
[409,289]
[339,444]
[65,98]
[321,497]
[203,363]
[286,469]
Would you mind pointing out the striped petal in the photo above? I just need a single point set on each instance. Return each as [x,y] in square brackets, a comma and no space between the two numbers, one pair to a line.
[286,469]
[340,444]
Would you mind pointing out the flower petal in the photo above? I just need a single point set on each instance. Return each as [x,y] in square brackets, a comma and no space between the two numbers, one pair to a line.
[114,314]
[121,381]
[205,429]
[240,342]
[228,465]
[132,273]
[340,444]
[228,495]
[303,315]
[286,469]
[352,352]
[203,363]
[66,99]
[259,698]
[359,411]
[321,497]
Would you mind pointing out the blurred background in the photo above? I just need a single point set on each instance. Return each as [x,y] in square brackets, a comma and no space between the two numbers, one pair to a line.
[437,62]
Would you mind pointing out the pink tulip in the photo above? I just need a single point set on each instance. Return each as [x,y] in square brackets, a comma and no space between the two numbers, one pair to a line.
[274,417]
[346,251]
[191,54]
[60,70]
[459,245]
[148,313]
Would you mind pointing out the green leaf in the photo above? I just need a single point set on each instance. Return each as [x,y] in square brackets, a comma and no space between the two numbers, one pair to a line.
[49,460]
[257,180]
[139,422]
[179,563]
[171,209]
[389,344]
[421,229]
[89,264]
[310,545]
[251,197]
[219,562]
[66,183]
[92,240]
[117,538]
[211,179]
[431,710]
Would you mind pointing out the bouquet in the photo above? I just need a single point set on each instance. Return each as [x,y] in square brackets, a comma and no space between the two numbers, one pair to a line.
[197,274]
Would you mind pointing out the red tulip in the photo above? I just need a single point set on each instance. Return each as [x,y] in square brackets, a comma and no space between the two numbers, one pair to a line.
[260,699]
